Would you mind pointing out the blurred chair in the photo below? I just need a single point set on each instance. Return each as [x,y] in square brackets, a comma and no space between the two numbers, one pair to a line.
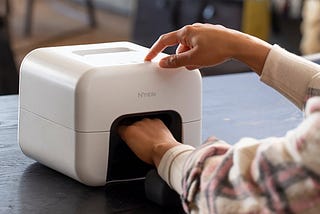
[29,12]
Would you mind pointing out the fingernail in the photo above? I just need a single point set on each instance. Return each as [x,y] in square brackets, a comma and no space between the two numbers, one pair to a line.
[165,63]
[147,58]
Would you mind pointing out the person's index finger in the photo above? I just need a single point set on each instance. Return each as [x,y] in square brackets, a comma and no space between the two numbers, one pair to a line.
[164,41]
[151,54]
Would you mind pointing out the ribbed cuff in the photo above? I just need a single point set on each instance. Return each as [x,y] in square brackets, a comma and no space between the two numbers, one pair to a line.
[171,165]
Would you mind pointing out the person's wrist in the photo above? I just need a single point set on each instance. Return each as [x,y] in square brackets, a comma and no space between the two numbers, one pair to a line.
[234,44]
[160,149]
[251,51]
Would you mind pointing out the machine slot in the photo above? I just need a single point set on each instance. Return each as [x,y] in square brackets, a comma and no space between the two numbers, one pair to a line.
[123,163]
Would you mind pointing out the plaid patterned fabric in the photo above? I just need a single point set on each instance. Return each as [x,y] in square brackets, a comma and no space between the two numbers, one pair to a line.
[274,175]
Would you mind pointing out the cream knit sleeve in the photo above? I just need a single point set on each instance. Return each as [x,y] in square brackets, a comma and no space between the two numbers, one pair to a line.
[291,75]
[171,166]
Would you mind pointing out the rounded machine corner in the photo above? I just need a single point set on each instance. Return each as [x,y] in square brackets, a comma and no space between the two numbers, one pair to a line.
[88,179]
[28,56]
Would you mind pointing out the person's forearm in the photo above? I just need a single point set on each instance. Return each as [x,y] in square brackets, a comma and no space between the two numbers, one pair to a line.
[250,50]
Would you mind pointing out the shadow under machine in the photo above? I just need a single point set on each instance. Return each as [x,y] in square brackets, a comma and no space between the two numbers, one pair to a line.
[73,99]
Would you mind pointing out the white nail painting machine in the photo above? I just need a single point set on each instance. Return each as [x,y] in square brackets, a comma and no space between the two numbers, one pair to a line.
[73,98]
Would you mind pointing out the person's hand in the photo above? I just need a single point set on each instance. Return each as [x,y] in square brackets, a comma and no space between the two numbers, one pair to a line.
[149,139]
[202,45]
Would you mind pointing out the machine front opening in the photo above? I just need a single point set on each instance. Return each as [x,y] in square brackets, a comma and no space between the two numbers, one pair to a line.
[123,163]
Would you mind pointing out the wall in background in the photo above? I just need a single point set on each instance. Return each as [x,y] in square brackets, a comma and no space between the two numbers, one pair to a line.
[126,7]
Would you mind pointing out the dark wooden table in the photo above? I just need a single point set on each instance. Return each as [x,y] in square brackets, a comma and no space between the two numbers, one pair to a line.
[234,106]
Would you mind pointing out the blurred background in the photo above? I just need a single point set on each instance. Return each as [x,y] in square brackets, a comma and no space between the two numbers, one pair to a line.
[29,24]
